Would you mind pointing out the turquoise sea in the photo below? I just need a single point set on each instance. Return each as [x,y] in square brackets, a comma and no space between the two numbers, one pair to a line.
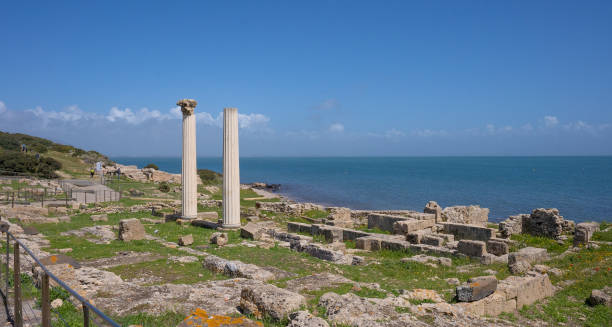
[580,187]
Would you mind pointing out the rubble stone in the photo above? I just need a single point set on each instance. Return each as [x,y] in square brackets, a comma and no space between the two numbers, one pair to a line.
[474,215]
[476,288]
[185,240]
[472,248]
[547,223]
[305,319]
[584,232]
[131,230]
[219,238]
[268,300]
[603,296]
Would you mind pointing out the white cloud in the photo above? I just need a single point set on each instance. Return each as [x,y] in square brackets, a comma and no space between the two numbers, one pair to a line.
[551,121]
[252,120]
[429,132]
[2,107]
[394,133]
[336,128]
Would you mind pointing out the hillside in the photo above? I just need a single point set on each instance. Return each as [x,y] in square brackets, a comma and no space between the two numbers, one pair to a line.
[54,159]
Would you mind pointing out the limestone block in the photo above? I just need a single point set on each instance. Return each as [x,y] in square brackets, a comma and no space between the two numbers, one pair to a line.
[432,207]
[466,215]
[339,216]
[584,232]
[269,300]
[476,288]
[382,221]
[432,239]
[131,230]
[468,232]
[369,243]
[331,234]
[252,231]
[293,227]
[528,254]
[497,247]
[185,240]
[472,248]
[219,238]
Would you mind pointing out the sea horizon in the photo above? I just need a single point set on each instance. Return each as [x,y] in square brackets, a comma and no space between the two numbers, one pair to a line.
[579,186]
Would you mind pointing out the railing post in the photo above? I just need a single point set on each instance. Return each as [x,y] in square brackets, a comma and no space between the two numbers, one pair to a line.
[8,246]
[17,285]
[45,305]
[85,316]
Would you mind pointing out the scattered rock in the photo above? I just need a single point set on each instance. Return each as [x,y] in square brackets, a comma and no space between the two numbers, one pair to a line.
[219,238]
[183,259]
[305,319]
[131,230]
[603,296]
[252,231]
[424,259]
[103,234]
[476,288]
[55,304]
[519,262]
[269,300]
[64,250]
[453,281]
[185,240]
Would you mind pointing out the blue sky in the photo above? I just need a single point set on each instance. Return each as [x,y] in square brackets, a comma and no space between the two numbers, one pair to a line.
[312,77]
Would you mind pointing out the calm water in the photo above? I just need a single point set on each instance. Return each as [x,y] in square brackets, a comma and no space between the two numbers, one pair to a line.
[581,187]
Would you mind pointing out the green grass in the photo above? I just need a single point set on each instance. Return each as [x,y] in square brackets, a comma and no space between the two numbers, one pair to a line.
[590,269]
[551,245]
[171,231]
[372,230]
[316,214]
[602,235]
[181,273]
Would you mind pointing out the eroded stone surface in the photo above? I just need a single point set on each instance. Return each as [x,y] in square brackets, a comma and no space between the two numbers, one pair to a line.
[131,230]
[268,300]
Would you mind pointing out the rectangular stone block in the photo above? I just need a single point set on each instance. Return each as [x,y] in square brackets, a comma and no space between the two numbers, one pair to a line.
[584,232]
[331,234]
[416,237]
[294,227]
[351,234]
[411,225]
[472,248]
[468,232]
[382,221]
[368,243]
[394,245]
[529,255]
[431,239]
[476,288]
[497,247]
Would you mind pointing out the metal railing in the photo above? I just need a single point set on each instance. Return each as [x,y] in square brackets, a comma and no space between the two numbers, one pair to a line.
[17,317]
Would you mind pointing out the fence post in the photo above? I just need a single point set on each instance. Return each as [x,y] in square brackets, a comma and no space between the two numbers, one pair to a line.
[13,202]
[85,316]
[42,199]
[8,246]
[17,285]
[45,305]
[85,197]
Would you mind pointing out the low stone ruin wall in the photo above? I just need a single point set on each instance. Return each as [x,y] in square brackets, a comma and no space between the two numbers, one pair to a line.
[541,222]
[468,232]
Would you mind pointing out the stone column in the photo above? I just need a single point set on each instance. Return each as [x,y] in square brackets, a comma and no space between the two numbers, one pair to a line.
[231,169]
[189,173]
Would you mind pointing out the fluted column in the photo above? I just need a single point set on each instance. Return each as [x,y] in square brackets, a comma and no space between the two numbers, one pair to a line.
[189,173]
[231,169]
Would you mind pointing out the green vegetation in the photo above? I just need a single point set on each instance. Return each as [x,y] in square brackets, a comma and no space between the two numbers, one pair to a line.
[316,214]
[181,273]
[372,230]
[164,187]
[552,246]
[210,177]
[152,165]
[603,235]
[27,164]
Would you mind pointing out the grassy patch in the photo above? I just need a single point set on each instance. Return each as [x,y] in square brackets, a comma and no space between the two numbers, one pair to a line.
[603,235]
[372,230]
[181,273]
[316,214]
[590,269]
[171,232]
[282,258]
[552,246]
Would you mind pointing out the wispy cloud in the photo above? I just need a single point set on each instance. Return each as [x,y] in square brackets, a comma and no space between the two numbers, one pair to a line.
[429,132]
[2,107]
[336,128]
[551,121]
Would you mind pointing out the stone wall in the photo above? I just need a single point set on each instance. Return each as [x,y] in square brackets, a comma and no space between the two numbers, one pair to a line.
[474,215]
[468,232]
[547,223]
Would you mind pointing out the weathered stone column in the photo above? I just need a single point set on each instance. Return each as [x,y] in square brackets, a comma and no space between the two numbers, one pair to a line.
[189,173]
[231,169]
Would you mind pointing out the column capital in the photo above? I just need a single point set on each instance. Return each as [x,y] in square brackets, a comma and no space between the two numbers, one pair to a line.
[187,106]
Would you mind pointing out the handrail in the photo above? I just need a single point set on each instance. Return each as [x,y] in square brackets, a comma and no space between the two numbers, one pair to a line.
[84,301]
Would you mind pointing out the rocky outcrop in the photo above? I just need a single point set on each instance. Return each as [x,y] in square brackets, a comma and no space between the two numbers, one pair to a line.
[474,215]
[200,317]
[287,207]
[268,300]
[305,319]
[101,234]
[236,268]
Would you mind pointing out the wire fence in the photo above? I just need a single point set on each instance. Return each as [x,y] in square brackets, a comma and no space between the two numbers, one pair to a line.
[33,308]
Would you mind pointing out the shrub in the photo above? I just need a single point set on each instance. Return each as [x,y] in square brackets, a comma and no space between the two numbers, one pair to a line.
[18,162]
[164,187]
[209,176]
[152,165]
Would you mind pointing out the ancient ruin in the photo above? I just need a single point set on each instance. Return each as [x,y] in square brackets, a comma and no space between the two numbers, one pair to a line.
[231,169]
[189,170]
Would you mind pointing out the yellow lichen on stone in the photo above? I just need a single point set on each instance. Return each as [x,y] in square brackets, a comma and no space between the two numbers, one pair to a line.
[200,318]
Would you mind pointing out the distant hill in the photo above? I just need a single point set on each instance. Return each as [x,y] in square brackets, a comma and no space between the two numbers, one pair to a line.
[43,157]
